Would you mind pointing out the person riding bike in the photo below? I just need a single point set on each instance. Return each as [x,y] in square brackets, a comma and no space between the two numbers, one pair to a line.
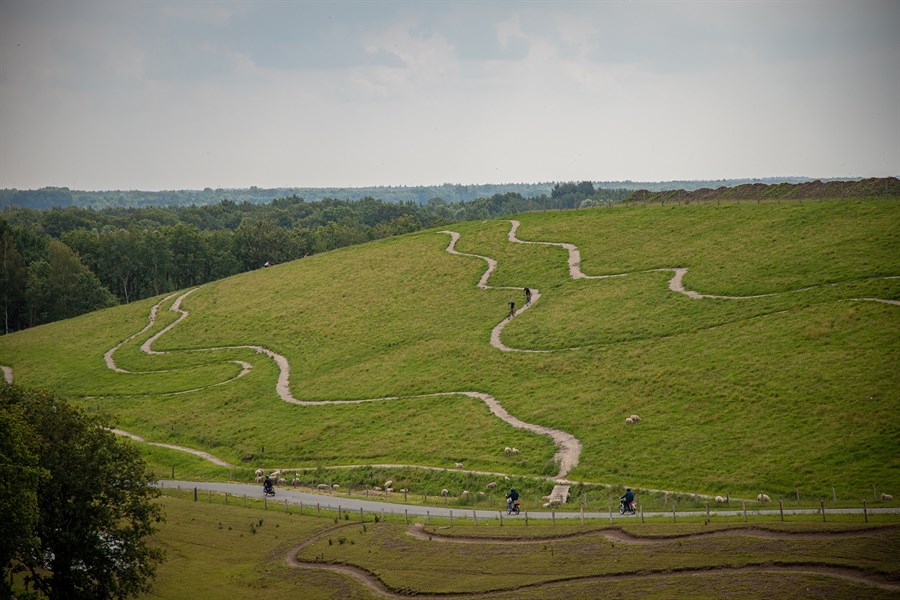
[267,486]
[511,498]
[628,498]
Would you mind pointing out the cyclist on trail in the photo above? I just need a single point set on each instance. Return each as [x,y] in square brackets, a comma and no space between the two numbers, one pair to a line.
[628,497]
[511,498]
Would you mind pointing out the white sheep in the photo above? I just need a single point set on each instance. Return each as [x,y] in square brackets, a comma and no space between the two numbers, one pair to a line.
[336,486]
[322,487]
[389,483]
[445,492]
[886,497]
[554,502]
[376,489]
[492,485]
[260,478]
[515,452]
[465,494]
[389,490]
[404,490]
[458,465]
[507,451]
[635,418]
[721,500]
[629,421]
[260,472]
[296,481]
[762,498]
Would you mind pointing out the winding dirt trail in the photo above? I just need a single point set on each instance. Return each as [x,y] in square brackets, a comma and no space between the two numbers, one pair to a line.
[372,582]
[569,447]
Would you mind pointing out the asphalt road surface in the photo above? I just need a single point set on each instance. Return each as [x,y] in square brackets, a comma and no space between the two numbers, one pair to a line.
[333,501]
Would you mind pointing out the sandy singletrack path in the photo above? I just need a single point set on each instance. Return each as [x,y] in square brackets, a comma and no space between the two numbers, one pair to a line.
[372,582]
[569,447]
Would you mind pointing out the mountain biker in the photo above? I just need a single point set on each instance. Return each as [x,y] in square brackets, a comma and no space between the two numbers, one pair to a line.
[511,498]
[267,485]
[628,498]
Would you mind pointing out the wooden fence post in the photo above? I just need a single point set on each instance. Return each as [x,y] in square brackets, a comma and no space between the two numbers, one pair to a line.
[822,504]
[406,514]
[674,518]
[451,518]
[865,511]
[475,517]
[195,494]
[781,508]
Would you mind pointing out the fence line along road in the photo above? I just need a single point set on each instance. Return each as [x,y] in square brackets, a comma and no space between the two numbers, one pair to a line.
[332,502]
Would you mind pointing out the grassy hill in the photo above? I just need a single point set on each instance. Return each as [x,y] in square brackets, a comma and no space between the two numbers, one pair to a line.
[795,390]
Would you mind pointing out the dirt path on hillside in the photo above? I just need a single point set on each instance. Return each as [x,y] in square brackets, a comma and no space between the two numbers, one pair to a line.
[569,447]
[204,455]
[375,584]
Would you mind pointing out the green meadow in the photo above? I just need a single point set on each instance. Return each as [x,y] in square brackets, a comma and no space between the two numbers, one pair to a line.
[797,390]
[239,550]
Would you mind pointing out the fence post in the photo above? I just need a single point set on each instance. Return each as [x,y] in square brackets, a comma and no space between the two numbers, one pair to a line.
[822,504]
[475,517]
[301,508]
[674,518]
[865,511]
[173,471]
[642,513]
[744,509]
[707,513]
[553,516]
[339,512]
[361,518]
[427,516]
[406,513]
[582,515]
[317,509]
[526,517]
[451,518]
[610,510]
[781,508]
[286,506]
[501,517]
[833,494]
[265,503]
[226,498]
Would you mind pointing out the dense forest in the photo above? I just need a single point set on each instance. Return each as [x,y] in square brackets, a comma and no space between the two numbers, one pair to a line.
[49,197]
[60,262]
[64,261]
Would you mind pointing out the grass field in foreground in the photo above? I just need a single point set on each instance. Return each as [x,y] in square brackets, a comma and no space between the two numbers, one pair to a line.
[797,391]
[232,552]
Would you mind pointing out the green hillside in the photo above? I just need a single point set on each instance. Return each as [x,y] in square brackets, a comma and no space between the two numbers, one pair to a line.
[797,389]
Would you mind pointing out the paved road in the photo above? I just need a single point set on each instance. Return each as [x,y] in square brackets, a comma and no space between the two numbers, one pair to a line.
[333,502]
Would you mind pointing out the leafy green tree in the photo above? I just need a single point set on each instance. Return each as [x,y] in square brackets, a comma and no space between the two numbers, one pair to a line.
[13,278]
[19,476]
[95,505]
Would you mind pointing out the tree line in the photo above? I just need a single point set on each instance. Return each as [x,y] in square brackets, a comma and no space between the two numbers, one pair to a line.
[62,262]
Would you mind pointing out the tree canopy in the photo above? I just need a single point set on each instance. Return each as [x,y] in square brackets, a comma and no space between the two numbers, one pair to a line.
[81,501]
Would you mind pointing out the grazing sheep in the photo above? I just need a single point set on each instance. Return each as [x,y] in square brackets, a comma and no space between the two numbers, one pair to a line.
[465,495]
[492,485]
[389,483]
[336,486]
[629,421]
[721,500]
[260,472]
[507,451]
[886,497]
[260,478]
[376,489]
[515,452]
[762,498]
[296,481]
[404,490]
[635,418]
[322,487]
[458,465]
[554,502]
[445,492]
[388,489]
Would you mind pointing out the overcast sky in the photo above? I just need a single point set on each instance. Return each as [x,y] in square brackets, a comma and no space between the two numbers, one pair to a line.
[185,95]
